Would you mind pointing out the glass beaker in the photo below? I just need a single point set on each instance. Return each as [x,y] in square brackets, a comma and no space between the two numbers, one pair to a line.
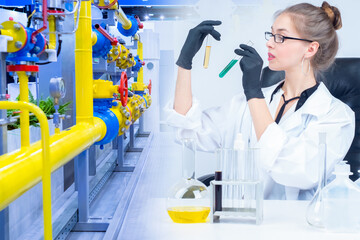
[314,213]
[188,200]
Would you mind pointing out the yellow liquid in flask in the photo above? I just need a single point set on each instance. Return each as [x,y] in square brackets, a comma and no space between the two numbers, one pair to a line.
[189,214]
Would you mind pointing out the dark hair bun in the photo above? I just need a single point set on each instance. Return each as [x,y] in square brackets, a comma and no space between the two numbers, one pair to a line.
[333,13]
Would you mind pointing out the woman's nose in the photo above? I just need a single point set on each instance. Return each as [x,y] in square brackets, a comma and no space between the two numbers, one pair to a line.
[270,43]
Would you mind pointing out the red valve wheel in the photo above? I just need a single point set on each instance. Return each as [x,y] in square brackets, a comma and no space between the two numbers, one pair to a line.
[123,89]
[149,87]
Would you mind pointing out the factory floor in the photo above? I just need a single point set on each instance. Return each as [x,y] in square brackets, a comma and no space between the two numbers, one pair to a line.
[105,203]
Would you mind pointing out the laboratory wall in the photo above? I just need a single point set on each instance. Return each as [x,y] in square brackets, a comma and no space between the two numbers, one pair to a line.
[241,22]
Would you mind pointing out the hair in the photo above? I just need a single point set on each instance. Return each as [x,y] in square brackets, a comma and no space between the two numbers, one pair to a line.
[317,24]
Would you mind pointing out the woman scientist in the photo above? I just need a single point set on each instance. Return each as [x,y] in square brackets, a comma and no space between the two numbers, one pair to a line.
[286,118]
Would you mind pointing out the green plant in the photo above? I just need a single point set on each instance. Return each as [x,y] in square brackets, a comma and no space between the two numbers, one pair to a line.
[46,105]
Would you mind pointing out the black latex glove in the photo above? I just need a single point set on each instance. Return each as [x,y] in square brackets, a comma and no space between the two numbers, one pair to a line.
[194,41]
[251,66]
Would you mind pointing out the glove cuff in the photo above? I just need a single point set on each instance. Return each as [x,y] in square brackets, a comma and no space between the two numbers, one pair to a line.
[184,64]
[253,94]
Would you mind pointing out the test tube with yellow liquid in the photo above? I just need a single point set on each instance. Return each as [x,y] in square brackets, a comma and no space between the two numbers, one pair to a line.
[207,52]
[232,62]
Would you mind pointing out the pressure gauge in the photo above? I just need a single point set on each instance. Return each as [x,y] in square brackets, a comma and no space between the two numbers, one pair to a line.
[57,87]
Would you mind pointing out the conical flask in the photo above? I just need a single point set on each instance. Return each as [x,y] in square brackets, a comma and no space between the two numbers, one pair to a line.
[342,202]
[188,200]
[314,214]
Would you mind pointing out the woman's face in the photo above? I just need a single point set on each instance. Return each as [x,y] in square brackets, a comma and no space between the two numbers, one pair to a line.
[289,54]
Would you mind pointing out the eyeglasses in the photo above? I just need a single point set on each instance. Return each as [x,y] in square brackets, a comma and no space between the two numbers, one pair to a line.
[278,38]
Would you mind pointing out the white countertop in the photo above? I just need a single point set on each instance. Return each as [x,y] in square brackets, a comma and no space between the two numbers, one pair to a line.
[147,217]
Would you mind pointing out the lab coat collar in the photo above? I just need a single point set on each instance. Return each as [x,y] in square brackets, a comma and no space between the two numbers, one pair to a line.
[317,105]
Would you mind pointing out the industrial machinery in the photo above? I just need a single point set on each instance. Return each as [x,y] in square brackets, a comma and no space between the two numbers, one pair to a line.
[105,108]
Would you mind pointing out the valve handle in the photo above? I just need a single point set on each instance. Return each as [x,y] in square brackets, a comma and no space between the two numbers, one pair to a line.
[107,6]
[149,87]
[123,89]
[112,40]
[141,26]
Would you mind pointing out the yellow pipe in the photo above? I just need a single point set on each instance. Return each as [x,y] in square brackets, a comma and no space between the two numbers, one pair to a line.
[139,84]
[125,22]
[140,78]
[67,144]
[46,170]
[21,170]
[83,66]
[52,35]
[24,115]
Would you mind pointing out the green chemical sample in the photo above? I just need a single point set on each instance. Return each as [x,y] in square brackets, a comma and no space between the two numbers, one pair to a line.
[233,61]
[228,67]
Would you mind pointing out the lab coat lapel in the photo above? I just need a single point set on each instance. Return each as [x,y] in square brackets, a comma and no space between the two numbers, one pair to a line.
[318,104]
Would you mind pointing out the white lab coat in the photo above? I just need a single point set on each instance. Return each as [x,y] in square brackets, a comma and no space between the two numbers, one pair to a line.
[289,150]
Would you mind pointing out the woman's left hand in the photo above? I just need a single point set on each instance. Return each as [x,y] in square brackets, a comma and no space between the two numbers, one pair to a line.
[251,65]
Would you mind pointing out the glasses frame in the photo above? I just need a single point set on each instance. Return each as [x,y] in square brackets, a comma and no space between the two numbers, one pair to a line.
[283,37]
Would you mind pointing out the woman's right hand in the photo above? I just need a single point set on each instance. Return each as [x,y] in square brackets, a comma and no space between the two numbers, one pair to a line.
[251,66]
[194,41]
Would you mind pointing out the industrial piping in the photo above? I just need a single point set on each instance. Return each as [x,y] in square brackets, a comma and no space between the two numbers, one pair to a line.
[21,170]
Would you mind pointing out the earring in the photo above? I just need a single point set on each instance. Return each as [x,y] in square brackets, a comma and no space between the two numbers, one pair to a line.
[302,67]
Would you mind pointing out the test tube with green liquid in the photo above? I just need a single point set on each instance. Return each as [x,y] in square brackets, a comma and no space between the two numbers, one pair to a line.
[232,63]
[229,66]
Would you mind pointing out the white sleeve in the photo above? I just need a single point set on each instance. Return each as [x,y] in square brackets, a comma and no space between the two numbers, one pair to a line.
[209,126]
[293,160]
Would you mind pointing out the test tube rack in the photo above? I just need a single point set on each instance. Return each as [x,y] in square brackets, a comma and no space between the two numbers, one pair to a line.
[252,214]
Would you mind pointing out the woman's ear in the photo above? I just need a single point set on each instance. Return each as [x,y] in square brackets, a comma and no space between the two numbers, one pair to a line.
[312,49]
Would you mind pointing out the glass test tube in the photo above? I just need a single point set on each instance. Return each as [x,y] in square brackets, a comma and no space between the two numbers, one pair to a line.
[207,52]
[232,62]
[229,66]
[224,157]
[250,174]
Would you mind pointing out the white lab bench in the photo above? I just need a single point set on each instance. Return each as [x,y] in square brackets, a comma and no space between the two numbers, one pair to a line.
[146,217]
